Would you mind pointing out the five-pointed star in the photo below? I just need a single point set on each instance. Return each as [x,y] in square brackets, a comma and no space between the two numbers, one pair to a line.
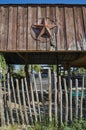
[45,28]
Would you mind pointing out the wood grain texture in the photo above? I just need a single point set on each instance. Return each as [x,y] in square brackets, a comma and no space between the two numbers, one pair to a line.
[79,28]
[16,22]
[31,19]
[70,33]
[12,28]
[3,27]
[22,27]
[60,23]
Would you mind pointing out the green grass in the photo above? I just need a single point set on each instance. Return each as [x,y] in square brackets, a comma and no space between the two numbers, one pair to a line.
[75,125]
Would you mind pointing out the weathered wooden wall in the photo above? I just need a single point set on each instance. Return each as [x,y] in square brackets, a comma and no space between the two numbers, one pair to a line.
[16,21]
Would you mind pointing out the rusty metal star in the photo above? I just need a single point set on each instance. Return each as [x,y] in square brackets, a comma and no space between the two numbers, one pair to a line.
[44,29]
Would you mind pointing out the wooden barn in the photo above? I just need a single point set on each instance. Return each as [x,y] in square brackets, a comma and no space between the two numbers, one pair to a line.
[42,32]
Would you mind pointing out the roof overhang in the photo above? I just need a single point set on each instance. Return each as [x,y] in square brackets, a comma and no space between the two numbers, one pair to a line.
[71,58]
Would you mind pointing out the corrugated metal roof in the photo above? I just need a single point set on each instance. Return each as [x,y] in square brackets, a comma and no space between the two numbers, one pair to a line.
[42,1]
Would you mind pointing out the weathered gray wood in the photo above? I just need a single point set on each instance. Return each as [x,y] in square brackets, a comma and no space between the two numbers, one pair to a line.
[5,102]
[32,95]
[70,100]
[1,106]
[19,100]
[66,96]
[60,93]
[28,99]
[81,102]
[37,98]
[56,106]
[50,95]
[24,102]
[41,89]
[9,98]
[76,98]
[14,96]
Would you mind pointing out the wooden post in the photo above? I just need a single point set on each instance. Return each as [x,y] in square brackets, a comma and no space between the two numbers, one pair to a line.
[41,89]
[9,99]
[28,98]
[19,100]
[14,96]
[50,95]
[56,107]
[66,96]
[60,95]
[37,98]
[1,106]
[76,98]
[32,95]
[24,102]
[5,101]
[70,99]
[82,95]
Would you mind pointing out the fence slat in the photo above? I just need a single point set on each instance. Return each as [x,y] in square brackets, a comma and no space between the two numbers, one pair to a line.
[41,89]
[76,81]
[37,98]
[70,99]
[19,100]
[60,93]
[50,95]
[32,95]
[5,102]
[9,98]
[28,99]
[14,96]
[24,102]
[82,95]
[66,96]
[56,107]
[1,106]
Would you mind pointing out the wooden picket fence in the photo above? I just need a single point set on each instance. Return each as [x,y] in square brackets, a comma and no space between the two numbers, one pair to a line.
[25,101]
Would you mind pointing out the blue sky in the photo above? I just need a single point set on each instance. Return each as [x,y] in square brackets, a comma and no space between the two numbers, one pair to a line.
[43,2]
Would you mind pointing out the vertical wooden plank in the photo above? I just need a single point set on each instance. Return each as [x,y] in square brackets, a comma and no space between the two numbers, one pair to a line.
[14,96]
[70,32]
[12,28]
[81,102]
[51,18]
[31,20]
[32,95]
[42,45]
[66,96]
[50,94]
[79,28]
[76,81]
[61,43]
[9,98]
[37,97]
[19,101]
[84,22]
[28,98]
[24,102]
[70,99]
[22,27]
[56,107]
[60,92]
[3,27]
